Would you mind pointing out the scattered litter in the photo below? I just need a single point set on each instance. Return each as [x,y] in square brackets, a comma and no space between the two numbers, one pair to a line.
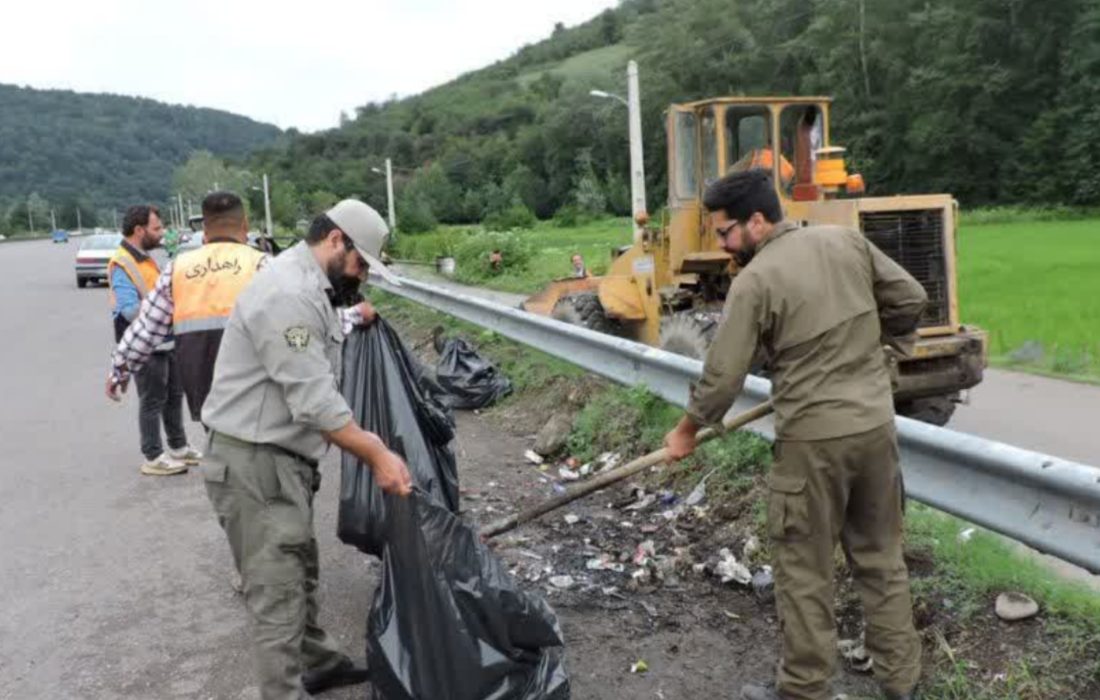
[604,563]
[558,488]
[585,469]
[649,529]
[640,576]
[731,615]
[571,462]
[533,457]
[699,492]
[751,547]
[568,474]
[1011,607]
[855,653]
[729,569]
[608,460]
[699,568]
[529,555]
[671,514]
[644,552]
[966,534]
[571,519]
[649,608]
[763,584]
[564,582]
[639,666]
[668,498]
[626,525]
[642,504]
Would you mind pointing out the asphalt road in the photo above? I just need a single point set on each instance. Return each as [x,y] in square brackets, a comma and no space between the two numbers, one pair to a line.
[113,584]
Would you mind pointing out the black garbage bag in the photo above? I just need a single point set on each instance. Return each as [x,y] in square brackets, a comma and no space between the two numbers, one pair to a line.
[449,623]
[385,386]
[470,380]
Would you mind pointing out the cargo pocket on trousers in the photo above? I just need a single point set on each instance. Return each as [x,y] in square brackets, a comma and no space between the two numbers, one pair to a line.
[788,512]
[214,471]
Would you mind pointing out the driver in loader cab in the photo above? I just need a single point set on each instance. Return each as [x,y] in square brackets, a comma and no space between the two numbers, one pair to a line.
[817,303]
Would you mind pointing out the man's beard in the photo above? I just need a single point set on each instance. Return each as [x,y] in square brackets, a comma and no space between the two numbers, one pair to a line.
[345,289]
[745,255]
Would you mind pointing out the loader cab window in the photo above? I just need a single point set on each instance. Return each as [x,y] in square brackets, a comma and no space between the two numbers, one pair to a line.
[747,130]
[749,141]
[686,147]
[801,134]
[708,130]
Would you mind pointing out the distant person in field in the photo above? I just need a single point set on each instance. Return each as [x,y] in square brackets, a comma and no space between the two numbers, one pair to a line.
[579,270]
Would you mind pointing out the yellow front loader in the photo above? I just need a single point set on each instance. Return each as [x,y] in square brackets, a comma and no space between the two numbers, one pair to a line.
[667,289]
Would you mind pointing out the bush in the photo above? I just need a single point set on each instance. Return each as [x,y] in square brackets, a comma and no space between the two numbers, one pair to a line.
[513,217]
[571,216]
[472,255]
[414,215]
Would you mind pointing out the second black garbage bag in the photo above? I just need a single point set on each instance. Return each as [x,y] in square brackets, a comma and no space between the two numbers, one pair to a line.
[385,387]
[449,623]
[469,379]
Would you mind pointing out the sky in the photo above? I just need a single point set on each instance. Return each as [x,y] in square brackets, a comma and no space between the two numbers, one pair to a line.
[296,63]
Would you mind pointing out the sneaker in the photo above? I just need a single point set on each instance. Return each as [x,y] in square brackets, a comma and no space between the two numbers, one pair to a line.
[163,466]
[186,454]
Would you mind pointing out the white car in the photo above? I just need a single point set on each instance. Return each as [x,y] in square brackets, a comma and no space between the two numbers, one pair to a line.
[92,258]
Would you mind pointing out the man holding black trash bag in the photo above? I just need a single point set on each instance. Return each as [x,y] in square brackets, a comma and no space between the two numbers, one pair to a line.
[273,409]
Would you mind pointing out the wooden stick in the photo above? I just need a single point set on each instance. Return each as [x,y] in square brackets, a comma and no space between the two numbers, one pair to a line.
[617,474]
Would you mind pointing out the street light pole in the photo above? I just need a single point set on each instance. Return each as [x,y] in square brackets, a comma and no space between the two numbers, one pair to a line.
[79,225]
[389,198]
[637,161]
[390,211]
[267,210]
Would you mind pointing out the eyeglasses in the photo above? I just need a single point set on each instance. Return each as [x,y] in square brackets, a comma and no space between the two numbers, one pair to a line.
[725,230]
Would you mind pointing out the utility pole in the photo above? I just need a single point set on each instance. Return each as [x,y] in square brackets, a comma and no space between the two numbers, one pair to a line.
[53,220]
[637,161]
[390,209]
[267,209]
[79,226]
[389,198]
[30,218]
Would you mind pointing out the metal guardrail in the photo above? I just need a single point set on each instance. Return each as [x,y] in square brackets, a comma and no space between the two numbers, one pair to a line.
[1048,503]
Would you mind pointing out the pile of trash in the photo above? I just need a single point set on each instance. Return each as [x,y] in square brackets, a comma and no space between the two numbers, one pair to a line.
[642,541]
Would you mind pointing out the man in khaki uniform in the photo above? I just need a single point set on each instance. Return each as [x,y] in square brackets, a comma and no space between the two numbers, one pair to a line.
[273,409]
[816,303]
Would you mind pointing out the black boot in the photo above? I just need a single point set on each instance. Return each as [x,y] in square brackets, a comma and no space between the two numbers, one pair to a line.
[343,673]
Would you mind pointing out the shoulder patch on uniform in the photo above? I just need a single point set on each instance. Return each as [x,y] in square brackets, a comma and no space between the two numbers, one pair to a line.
[297,338]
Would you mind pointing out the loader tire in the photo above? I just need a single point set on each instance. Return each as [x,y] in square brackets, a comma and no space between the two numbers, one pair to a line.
[685,336]
[585,310]
[935,410]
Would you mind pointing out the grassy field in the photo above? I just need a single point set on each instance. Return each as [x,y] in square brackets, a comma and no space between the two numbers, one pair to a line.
[1034,284]
[590,68]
